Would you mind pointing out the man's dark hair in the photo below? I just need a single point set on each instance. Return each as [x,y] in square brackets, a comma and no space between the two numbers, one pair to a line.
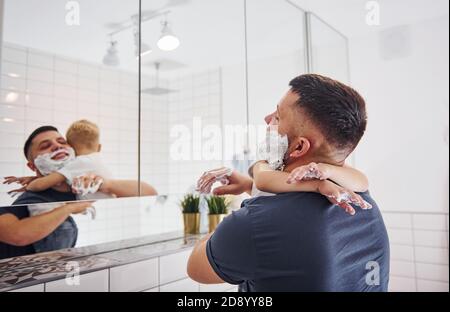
[337,110]
[26,147]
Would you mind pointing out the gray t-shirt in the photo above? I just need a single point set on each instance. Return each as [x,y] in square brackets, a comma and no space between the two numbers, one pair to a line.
[301,242]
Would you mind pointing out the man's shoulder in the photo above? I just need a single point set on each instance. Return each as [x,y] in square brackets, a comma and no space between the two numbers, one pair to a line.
[276,200]
[30,198]
[43,197]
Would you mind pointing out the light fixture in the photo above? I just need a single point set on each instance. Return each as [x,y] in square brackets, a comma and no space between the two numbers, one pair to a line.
[112,55]
[13,75]
[168,41]
[6,119]
[145,48]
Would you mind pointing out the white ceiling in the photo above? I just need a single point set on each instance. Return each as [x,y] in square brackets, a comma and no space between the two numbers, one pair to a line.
[211,31]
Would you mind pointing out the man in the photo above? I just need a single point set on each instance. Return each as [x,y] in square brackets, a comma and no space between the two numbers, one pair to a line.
[21,234]
[299,241]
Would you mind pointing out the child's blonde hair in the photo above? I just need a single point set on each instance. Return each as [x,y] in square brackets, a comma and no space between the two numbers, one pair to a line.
[83,133]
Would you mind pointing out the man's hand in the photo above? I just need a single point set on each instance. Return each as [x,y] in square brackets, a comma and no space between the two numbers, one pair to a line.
[342,197]
[77,208]
[234,182]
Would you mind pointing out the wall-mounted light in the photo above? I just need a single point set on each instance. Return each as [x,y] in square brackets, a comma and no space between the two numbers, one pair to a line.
[112,55]
[6,119]
[168,41]
[13,75]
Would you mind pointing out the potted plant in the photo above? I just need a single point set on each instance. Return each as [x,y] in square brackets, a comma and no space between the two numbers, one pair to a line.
[218,209]
[191,213]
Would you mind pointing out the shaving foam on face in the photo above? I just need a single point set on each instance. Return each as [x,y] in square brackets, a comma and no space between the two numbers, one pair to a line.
[46,165]
[273,149]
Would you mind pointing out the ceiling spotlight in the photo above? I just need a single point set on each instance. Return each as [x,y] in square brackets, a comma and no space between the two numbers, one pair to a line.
[112,55]
[168,41]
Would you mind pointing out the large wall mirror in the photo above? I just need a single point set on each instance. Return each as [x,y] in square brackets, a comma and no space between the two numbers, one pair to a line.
[168,86]
[58,68]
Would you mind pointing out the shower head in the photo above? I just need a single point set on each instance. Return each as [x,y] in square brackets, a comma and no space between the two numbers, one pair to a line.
[157,90]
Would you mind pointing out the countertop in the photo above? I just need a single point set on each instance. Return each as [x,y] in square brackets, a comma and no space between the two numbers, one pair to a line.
[40,268]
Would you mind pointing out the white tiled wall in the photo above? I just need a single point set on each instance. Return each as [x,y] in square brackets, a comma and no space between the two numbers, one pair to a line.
[199,96]
[419,251]
[121,219]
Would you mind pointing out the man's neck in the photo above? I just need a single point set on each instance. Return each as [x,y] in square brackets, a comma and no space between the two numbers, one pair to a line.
[289,167]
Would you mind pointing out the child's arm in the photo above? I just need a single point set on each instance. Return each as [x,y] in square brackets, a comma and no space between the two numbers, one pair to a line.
[271,181]
[127,188]
[268,180]
[346,176]
[44,183]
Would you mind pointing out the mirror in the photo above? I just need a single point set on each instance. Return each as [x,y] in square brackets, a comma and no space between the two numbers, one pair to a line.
[64,65]
[193,86]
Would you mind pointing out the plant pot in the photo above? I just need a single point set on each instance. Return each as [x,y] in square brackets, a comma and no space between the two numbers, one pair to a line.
[214,221]
[191,223]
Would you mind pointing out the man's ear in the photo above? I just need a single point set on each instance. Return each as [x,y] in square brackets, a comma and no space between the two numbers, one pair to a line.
[302,146]
[31,165]
[99,148]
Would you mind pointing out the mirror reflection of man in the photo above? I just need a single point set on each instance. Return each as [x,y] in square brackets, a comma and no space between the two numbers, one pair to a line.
[19,231]
[22,234]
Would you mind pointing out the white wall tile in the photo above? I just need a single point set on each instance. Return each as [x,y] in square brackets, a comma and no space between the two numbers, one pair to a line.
[14,69]
[400,236]
[66,79]
[40,88]
[40,74]
[134,277]
[402,252]
[429,222]
[65,65]
[41,60]
[14,55]
[185,285]
[434,272]
[402,284]
[431,238]
[403,269]
[174,267]
[35,288]
[10,83]
[432,255]
[431,286]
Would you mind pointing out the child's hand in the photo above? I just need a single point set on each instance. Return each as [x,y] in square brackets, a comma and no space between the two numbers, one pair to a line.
[24,181]
[342,197]
[309,172]
[14,193]
[86,184]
